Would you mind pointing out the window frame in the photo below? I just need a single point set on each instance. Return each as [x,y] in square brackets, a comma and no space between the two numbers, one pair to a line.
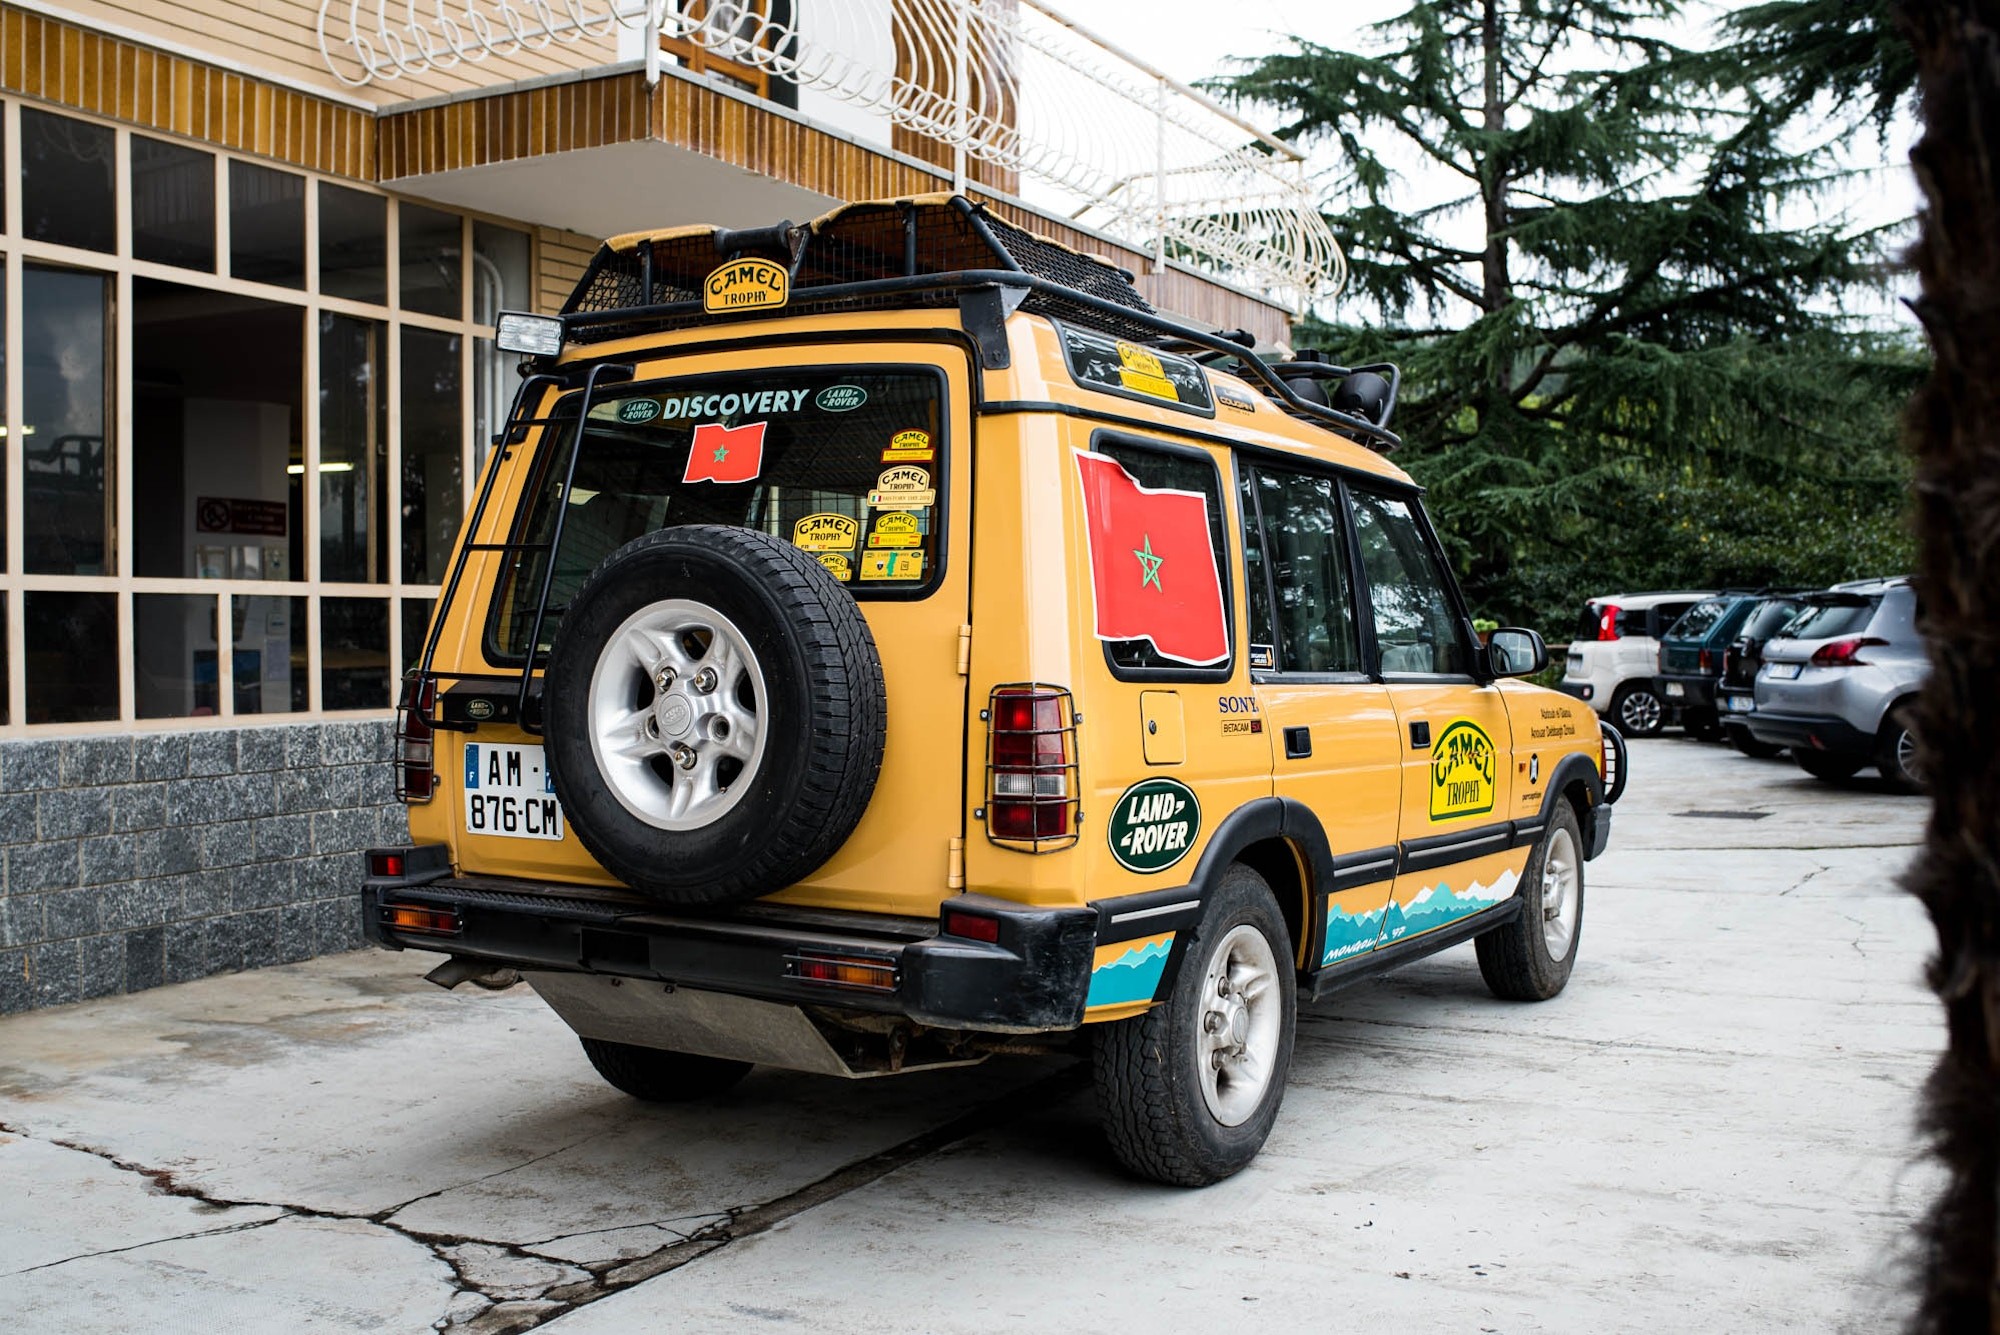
[1454,596]
[543,459]
[1364,627]
[120,269]
[1181,672]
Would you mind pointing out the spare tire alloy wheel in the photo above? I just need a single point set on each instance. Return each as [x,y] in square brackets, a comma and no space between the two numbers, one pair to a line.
[1189,1090]
[714,714]
[684,758]
[1639,712]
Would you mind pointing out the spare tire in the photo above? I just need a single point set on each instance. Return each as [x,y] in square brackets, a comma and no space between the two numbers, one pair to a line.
[713,712]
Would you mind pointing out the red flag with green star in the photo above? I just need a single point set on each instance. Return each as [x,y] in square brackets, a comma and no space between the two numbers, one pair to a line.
[1151,564]
[726,453]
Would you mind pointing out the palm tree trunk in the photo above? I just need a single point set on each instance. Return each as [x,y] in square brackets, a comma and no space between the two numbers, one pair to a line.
[1954,428]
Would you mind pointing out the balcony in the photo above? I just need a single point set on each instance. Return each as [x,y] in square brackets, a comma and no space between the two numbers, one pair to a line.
[610,114]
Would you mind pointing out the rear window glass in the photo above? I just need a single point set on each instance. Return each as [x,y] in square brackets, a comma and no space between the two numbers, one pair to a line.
[1769,619]
[1586,625]
[847,464]
[1824,620]
[1699,620]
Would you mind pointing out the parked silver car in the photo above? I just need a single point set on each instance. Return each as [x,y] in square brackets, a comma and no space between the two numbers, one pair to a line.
[1838,688]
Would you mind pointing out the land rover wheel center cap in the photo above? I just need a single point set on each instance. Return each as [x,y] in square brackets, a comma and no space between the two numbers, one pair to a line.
[675,714]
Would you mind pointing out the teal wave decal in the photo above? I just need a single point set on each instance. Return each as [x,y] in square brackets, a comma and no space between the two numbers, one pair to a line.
[1133,976]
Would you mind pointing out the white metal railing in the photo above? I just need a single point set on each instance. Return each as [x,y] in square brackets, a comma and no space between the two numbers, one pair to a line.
[1089,130]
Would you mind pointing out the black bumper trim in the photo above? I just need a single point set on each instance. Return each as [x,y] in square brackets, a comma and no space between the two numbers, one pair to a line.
[1032,979]
[1824,733]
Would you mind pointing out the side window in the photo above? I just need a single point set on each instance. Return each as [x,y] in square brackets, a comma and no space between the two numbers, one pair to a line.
[1415,626]
[1299,573]
[1160,525]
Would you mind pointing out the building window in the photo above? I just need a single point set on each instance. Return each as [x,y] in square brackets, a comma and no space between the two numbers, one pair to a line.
[249,525]
[67,196]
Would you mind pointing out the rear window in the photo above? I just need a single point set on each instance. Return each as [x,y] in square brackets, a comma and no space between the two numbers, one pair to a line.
[1586,625]
[845,463]
[1661,617]
[1824,619]
[1770,618]
[1699,620]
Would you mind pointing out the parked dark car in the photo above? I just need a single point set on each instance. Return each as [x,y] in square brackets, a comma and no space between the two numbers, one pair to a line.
[1736,690]
[1691,659]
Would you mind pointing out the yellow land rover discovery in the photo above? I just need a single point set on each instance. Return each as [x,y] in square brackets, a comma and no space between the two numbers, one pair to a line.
[882,641]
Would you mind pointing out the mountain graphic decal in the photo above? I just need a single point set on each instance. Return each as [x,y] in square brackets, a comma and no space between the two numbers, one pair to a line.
[1133,976]
[1435,905]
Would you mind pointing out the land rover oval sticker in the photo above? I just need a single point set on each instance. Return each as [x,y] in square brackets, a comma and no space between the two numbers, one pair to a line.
[744,285]
[1154,825]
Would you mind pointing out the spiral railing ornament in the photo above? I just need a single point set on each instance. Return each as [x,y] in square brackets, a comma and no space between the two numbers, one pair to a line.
[1090,131]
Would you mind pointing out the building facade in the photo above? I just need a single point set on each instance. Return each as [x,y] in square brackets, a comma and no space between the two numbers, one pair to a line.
[251,270]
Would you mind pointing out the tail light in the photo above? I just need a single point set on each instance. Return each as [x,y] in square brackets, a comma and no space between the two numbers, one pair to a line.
[1032,796]
[416,779]
[1705,660]
[864,973]
[1844,653]
[1607,622]
[421,919]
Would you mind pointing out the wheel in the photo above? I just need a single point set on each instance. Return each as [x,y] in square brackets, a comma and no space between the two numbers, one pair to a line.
[661,1077]
[714,714]
[1529,959]
[1896,753]
[1741,739]
[1189,1090]
[1831,768]
[1638,712]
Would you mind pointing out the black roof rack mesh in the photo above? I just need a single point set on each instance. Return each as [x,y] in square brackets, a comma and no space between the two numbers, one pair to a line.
[860,243]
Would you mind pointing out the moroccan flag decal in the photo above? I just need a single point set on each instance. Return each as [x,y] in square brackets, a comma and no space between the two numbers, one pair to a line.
[1151,564]
[726,453]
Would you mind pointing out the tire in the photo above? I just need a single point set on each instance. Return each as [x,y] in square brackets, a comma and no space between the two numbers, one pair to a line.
[1170,1112]
[661,1077]
[714,714]
[1638,712]
[1741,739]
[1530,958]
[1830,768]
[1896,751]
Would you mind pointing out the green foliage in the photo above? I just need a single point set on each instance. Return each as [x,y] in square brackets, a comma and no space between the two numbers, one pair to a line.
[1624,359]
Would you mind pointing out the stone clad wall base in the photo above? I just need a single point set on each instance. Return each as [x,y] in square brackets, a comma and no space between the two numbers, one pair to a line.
[141,859]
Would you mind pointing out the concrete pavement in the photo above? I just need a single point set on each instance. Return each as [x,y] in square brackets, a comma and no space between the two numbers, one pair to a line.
[1710,1129]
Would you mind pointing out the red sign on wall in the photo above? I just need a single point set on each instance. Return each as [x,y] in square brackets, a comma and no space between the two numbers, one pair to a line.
[233,514]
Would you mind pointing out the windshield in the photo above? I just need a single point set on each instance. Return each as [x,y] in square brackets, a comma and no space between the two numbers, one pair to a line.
[844,463]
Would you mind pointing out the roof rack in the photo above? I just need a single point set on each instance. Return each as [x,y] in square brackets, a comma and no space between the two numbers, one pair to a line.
[928,250]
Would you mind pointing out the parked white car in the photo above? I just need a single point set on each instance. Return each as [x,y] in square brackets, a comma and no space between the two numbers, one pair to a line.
[1616,654]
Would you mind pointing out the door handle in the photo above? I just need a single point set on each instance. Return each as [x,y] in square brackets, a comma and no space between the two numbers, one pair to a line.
[1298,743]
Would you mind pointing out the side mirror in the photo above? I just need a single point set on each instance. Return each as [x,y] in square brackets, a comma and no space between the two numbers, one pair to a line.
[1513,652]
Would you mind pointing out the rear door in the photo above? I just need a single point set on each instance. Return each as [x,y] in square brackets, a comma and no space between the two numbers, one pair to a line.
[1453,733]
[1332,730]
[849,457]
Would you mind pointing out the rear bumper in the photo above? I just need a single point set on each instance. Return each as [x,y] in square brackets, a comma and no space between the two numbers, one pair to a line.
[1810,732]
[1033,978]
[1582,690]
[1696,692]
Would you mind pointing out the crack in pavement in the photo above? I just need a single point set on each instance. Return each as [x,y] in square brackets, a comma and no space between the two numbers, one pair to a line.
[244,1227]
[505,1315]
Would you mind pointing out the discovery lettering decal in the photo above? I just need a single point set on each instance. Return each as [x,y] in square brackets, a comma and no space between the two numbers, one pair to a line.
[1154,825]
[1462,773]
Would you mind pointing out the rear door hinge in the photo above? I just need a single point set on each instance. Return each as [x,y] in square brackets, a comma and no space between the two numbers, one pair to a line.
[965,651]
[954,866]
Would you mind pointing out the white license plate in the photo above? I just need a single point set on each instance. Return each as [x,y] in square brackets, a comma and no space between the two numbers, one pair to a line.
[1674,689]
[508,793]
[1738,704]
[1781,671]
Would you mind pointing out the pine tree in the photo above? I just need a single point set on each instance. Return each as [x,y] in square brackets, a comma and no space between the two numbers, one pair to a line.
[1612,298]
